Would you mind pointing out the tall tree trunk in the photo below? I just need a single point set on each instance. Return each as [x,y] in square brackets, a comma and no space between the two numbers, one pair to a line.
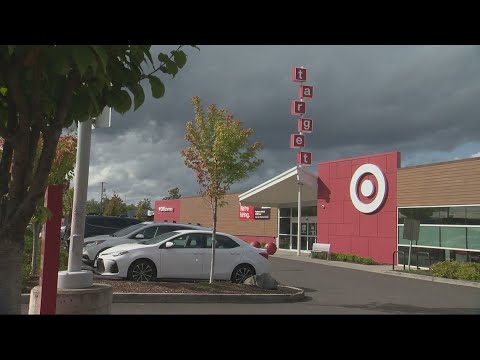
[11,257]
[36,227]
[212,264]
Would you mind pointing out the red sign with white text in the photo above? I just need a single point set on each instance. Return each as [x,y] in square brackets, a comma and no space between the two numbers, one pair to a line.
[246,212]
[297,141]
[305,92]
[298,107]
[304,158]
[299,74]
[305,125]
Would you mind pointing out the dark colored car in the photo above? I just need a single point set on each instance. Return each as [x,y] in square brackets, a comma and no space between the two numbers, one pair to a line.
[101,225]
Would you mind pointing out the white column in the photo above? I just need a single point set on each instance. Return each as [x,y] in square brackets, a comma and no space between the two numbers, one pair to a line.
[299,205]
[74,277]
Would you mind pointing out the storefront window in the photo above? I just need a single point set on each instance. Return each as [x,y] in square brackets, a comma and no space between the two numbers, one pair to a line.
[284,225]
[473,215]
[284,241]
[473,238]
[453,237]
[285,212]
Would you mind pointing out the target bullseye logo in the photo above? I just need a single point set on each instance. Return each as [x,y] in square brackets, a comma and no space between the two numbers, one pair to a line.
[367,188]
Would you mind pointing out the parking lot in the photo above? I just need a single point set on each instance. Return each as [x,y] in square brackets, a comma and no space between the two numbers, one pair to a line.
[336,290]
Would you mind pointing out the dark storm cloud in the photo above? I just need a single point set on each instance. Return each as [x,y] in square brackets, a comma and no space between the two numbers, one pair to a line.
[415,99]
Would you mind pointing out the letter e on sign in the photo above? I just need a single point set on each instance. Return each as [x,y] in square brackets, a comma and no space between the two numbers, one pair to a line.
[297,141]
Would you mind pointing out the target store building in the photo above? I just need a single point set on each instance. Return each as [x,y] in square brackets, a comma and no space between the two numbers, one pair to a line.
[358,206]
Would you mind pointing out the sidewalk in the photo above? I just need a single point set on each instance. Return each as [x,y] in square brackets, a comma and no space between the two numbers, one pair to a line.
[380,269]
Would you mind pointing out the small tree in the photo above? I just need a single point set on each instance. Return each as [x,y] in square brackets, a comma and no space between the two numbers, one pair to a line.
[92,207]
[220,155]
[142,208]
[62,171]
[114,206]
[173,194]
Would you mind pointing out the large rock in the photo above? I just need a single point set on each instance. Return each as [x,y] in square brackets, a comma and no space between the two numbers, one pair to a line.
[264,281]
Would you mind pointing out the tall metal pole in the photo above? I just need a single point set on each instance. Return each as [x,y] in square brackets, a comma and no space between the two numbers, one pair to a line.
[101,199]
[74,277]
[299,216]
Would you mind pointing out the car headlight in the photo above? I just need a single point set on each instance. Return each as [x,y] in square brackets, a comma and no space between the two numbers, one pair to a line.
[93,243]
[119,253]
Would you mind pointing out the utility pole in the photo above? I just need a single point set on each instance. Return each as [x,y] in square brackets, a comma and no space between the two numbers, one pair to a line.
[101,199]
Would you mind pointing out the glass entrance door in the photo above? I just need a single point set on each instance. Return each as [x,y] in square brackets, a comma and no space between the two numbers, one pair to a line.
[308,232]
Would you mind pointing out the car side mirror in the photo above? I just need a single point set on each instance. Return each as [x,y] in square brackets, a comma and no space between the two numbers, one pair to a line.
[169,244]
[139,236]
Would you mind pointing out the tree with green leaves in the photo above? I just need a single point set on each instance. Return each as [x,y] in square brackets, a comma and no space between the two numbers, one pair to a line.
[114,206]
[61,173]
[92,207]
[173,194]
[142,207]
[44,89]
[220,154]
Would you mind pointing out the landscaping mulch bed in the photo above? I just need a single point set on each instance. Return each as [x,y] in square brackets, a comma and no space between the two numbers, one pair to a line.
[200,287]
[220,287]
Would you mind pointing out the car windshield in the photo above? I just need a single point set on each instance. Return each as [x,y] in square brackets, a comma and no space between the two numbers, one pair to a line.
[128,230]
[159,238]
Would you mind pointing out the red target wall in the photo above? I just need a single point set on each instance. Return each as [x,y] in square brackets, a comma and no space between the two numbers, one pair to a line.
[353,216]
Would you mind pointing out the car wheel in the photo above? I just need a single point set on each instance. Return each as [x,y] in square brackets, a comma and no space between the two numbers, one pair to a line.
[241,273]
[142,270]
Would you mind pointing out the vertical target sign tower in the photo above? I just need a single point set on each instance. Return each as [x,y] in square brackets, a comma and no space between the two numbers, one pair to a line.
[297,141]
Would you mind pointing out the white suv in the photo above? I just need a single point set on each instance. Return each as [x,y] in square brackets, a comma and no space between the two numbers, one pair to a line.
[93,246]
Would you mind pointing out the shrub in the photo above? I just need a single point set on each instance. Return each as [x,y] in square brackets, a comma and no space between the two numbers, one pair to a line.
[345,258]
[263,243]
[27,258]
[457,270]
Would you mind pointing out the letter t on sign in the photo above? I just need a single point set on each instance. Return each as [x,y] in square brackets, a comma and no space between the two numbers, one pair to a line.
[299,74]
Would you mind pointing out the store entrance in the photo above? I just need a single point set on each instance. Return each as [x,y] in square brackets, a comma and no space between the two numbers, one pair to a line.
[308,232]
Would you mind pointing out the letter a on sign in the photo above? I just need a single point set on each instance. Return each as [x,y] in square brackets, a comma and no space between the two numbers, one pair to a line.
[305,125]
[305,92]
[299,74]
[298,107]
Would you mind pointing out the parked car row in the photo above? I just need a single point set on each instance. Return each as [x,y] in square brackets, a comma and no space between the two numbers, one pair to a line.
[93,246]
[184,254]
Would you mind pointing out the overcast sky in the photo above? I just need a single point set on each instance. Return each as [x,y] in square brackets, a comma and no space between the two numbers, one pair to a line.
[423,101]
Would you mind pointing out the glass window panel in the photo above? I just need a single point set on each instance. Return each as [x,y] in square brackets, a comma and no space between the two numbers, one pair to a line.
[436,255]
[454,237]
[473,238]
[454,215]
[401,240]
[284,241]
[285,212]
[294,212]
[303,243]
[429,236]
[284,225]
[309,211]
[473,215]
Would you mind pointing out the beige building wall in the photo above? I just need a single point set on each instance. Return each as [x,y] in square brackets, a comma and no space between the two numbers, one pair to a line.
[196,210]
[447,183]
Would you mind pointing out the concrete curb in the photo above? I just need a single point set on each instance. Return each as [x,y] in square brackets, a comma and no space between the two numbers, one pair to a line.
[379,269]
[202,298]
[433,279]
